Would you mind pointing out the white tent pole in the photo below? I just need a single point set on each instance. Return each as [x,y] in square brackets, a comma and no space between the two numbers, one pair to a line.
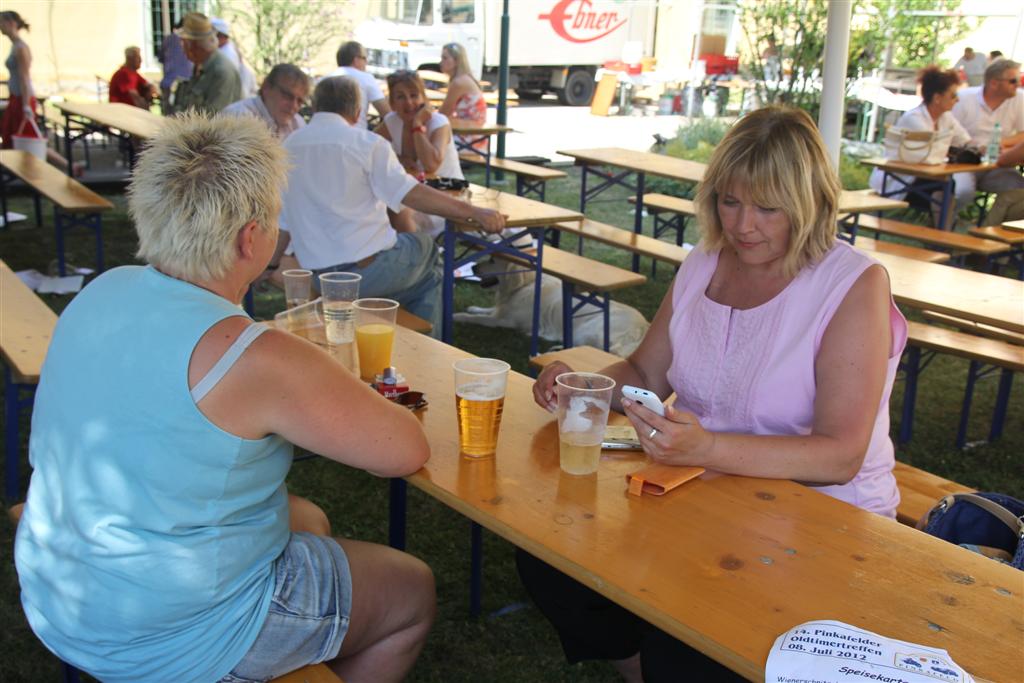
[833,77]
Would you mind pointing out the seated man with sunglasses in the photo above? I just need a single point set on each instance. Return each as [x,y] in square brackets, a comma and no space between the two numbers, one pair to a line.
[278,101]
[980,108]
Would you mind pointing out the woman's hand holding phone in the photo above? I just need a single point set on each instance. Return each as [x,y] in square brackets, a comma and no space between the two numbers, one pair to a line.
[668,436]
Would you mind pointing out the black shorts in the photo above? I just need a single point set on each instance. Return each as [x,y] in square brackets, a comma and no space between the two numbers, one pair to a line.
[591,626]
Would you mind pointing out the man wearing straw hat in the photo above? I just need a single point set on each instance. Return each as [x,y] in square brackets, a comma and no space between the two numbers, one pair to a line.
[215,82]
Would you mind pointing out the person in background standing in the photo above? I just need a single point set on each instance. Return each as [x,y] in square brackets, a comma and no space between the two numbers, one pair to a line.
[176,67]
[994,55]
[21,105]
[973,66]
[127,85]
[352,63]
[230,50]
[215,83]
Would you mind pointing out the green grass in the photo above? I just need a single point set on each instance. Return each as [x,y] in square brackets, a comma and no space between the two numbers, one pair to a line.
[518,645]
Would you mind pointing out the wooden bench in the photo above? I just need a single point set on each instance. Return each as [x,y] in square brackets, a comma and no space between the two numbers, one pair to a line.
[679,211]
[919,490]
[906,251]
[74,205]
[529,178]
[584,281]
[1014,238]
[957,244]
[314,673]
[624,239]
[975,328]
[985,356]
[26,326]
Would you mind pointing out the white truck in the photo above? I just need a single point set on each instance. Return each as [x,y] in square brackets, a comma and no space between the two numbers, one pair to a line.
[554,45]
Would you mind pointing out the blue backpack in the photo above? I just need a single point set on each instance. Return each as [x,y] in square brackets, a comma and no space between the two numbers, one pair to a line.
[989,523]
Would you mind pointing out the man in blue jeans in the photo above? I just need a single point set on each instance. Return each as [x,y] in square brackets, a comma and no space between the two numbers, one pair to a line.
[343,181]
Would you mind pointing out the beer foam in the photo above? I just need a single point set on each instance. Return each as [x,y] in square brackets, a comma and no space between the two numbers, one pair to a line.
[584,414]
[479,392]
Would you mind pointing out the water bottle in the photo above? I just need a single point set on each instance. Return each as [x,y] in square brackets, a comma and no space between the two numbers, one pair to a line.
[992,151]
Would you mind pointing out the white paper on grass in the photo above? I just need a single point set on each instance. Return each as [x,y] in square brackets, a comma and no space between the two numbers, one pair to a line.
[834,652]
[44,284]
[12,217]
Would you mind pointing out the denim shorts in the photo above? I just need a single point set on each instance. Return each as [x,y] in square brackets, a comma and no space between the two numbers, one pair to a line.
[309,611]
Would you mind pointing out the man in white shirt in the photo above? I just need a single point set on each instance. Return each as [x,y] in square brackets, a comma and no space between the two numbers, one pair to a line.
[278,101]
[227,47]
[973,66]
[342,183]
[980,108]
[352,63]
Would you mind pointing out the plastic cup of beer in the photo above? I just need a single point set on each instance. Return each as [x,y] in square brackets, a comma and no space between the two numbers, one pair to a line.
[583,402]
[479,399]
[375,335]
[338,291]
[297,285]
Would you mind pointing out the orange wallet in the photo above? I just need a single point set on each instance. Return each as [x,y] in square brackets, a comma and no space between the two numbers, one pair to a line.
[658,480]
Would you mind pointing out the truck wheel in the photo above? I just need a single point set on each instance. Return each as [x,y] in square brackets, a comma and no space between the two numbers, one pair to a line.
[529,95]
[579,89]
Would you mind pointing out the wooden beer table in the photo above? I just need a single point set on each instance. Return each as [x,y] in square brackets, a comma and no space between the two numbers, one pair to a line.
[723,563]
[531,215]
[120,120]
[468,134]
[642,164]
[935,177]
[983,298]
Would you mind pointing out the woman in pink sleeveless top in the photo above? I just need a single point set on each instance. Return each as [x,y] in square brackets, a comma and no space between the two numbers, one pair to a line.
[464,100]
[780,343]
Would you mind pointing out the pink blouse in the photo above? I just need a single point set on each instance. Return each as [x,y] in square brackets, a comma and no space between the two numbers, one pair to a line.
[752,371]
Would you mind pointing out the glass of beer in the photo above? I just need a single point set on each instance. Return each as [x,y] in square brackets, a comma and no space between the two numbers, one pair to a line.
[375,335]
[583,402]
[297,284]
[479,399]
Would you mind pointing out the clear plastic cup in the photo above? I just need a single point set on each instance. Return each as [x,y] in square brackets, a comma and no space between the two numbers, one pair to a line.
[583,402]
[338,291]
[479,400]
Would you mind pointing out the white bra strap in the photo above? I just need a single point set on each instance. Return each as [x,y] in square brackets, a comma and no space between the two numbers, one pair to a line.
[221,367]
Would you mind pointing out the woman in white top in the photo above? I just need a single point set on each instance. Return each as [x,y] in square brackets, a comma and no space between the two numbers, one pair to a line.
[938,95]
[420,136]
[422,140]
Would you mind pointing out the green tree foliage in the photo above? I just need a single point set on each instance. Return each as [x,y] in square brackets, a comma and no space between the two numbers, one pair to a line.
[278,31]
[785,41]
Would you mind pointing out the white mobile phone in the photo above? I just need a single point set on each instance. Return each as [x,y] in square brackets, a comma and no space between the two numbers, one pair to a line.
[647,399]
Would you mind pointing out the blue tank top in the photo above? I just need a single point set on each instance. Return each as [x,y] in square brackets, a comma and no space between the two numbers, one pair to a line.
[147,544]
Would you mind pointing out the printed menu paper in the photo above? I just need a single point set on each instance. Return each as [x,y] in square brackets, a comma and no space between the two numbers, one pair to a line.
[834,652]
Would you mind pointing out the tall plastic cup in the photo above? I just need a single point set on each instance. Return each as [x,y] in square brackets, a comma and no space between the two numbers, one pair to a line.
[338,291]
[297,285]
[479,400]
[375,334]
[583,402]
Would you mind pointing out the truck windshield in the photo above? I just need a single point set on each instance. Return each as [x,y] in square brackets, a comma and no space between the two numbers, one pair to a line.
[419,12]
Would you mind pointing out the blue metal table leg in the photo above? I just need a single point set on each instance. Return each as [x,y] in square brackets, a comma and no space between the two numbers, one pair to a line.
[11,439]
[448,284]
[911,369]
[58,227]
[567,298]
[947,195]
[965,412]
[607,320]
[638,216]
[537,286]
[396,514]
[38,205]
[583,189]
[476,568]
[69,673]
[250,303]
[1002,400]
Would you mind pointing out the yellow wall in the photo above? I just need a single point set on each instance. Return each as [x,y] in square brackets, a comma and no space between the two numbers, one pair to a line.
[74,40]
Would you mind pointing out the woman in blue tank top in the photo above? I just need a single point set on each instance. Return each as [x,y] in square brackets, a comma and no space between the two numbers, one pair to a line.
[158,540]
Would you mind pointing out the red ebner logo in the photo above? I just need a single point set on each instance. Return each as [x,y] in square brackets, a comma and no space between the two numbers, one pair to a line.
[580,25]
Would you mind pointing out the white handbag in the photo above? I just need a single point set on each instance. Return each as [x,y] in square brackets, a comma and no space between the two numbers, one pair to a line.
[917,146]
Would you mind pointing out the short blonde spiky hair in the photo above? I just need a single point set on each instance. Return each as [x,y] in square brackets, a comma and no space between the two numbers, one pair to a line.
[778,154]
[196,184]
